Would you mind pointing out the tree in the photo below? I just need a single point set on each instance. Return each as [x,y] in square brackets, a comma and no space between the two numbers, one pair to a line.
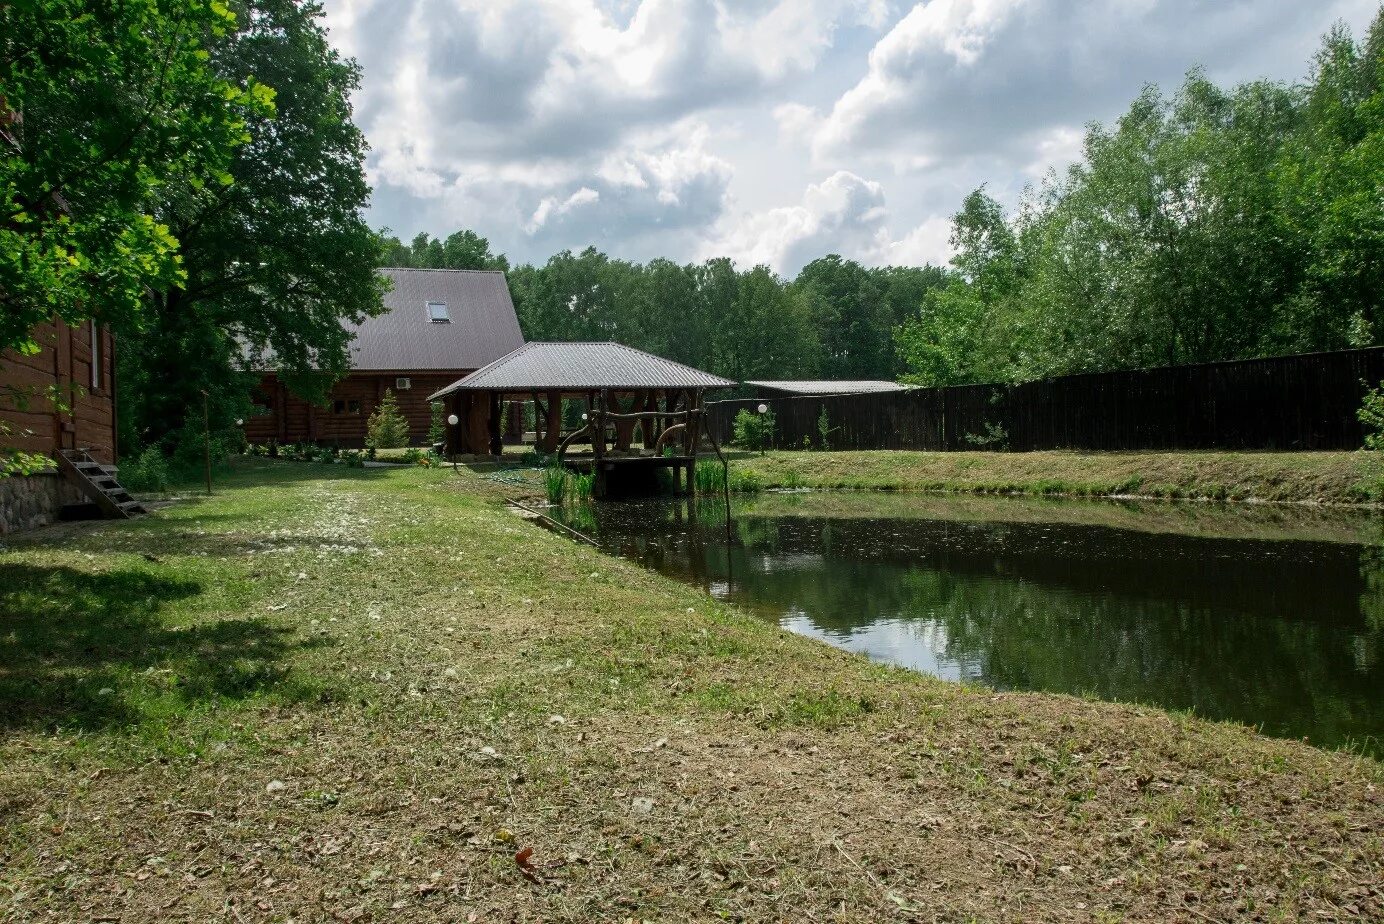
[753,431]
[850,318]
[103,107]
[461,250]
[1208,225]
[386,428]
[275,261]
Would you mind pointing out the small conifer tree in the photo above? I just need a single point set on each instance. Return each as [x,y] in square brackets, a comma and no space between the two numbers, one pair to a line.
[437,432]
[386,428]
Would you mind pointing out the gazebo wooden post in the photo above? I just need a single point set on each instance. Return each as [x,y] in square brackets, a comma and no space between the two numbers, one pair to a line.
[476,421]
[453,432]
[597,415]
[552,430]
[649,425]
[495,442]
[624,428]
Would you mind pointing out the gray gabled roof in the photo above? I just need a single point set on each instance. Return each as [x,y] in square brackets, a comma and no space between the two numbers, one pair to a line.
[829,387]
[483,325]
[582,367]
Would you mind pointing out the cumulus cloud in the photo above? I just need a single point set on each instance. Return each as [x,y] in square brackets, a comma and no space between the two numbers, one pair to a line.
[960,78]
[844,214]
[685,128]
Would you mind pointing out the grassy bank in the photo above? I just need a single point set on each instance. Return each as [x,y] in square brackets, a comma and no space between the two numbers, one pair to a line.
[1318,477]
[347,694]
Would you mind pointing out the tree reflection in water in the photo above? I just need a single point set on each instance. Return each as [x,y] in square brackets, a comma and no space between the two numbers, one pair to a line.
[1243,623]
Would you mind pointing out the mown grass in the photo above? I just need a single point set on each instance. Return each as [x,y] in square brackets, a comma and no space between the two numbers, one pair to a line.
[1319,477]
[331,693]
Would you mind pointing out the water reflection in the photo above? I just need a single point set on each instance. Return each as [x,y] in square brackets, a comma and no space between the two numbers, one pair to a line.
[1268,617]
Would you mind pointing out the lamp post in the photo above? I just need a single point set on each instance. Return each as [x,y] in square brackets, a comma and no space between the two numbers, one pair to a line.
[452,421]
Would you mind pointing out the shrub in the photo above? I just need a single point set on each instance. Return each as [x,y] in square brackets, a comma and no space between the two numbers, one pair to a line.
[1371,416]
[353,458]
[387,428]
[412,455]
[555,483]
[824,429]
[148,473]
[744,481]
[754,431]
[710,476]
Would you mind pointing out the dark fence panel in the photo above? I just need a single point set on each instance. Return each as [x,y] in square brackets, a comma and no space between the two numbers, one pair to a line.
[1286,402]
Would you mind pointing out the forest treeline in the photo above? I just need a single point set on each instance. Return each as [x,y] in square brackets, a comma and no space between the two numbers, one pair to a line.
[835,319]
[1207,225]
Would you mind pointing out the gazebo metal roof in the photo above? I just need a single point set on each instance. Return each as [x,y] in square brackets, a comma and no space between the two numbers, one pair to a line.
[582,367]
[829,387]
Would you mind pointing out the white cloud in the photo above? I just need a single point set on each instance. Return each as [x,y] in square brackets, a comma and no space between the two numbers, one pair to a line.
[550,206]
[844,214]
[684,128]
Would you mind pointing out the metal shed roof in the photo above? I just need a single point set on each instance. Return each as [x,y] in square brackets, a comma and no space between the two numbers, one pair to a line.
[582,367]
[829,387]
[482,326]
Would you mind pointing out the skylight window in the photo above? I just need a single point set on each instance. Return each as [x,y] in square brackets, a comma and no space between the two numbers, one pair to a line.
[437,313]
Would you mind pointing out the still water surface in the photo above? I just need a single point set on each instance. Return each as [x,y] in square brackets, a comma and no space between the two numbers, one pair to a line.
[1269,616]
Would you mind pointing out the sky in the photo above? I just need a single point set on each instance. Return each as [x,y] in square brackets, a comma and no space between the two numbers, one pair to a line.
[769,131]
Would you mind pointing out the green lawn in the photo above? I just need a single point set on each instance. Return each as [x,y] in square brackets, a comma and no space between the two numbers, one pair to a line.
[1314,477]
[342,694]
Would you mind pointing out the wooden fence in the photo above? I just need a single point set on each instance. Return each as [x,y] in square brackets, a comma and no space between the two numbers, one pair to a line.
[1287,403]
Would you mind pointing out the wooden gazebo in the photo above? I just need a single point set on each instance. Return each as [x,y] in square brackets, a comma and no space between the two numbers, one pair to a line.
[621,390]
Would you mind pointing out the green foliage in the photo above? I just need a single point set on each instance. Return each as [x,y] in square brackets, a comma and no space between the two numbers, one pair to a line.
[555,483]
[387,428]
[462,250]
[745,481]
[1209,225]
[753,431]
[275,261]
[147,473]
[710,476]
[994,437]
[824,430]
[437,426]
[740,323]
[109,108]
[562,486]
[582,485]
[1371,415]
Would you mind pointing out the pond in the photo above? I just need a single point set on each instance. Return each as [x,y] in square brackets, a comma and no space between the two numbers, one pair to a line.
[1270,616]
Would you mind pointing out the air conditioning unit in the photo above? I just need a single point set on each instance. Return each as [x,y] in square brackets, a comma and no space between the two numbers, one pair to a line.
[402,384]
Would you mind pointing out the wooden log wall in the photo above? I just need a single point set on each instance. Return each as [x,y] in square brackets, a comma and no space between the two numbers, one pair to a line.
[1283,403]
[290,419]
[65,359]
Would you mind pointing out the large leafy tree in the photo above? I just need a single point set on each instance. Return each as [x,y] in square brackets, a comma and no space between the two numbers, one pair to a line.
[1210,225]
[851,319]
[461,250]
[276,260]
[103,108]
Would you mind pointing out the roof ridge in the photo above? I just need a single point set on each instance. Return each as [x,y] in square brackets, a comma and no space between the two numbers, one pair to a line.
[439,269]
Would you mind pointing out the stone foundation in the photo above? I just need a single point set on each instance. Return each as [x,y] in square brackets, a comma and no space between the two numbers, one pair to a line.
[30,501]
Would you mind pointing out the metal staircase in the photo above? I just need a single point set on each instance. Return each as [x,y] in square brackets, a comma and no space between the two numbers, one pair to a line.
[99,484]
